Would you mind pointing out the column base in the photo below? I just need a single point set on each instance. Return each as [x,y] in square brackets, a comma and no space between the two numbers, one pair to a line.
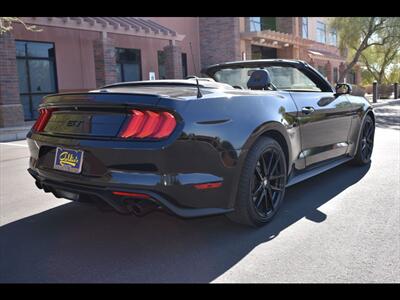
[11,115]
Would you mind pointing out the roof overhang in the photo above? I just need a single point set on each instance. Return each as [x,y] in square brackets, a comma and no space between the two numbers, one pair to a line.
[131,26]
[273,39]
[323,55]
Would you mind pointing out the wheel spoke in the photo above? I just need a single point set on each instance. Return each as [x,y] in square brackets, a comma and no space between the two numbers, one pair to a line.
[276,177]
[269,164]
[273,169]
[276,188]
[258,171]
[269,200]
[259,200]
[263,165]
[258,189]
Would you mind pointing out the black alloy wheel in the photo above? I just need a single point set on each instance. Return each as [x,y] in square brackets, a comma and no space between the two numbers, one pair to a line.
[366,142]
[262,184]
[268,182]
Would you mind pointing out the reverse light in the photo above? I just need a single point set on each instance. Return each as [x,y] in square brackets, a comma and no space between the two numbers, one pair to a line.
[148,124]
[44,117]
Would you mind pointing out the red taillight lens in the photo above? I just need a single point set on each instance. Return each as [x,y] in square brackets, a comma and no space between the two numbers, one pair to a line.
[134,195]
[42,120]
[210,185]
[149,124]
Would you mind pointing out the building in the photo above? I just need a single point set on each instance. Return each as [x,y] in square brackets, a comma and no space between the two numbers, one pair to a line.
[73,54]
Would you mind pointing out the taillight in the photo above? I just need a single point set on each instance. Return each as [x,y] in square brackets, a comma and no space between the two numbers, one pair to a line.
[134,195]
[149,124]
[43,118]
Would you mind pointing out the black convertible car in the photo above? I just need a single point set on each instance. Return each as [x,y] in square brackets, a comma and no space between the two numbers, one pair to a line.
[226,144]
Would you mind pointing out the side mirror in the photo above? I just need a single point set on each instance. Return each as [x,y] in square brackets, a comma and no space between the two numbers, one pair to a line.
[343,88]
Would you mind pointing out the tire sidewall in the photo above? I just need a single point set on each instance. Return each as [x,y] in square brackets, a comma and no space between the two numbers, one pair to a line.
[359,156]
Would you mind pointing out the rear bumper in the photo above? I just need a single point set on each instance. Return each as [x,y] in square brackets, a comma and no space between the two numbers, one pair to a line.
[120,203]
[168,175]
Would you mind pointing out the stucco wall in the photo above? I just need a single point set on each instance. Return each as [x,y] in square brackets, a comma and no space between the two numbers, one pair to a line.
[189,26]
[74,54]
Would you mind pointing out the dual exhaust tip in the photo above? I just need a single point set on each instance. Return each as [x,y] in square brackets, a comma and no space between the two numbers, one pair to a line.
[139,206]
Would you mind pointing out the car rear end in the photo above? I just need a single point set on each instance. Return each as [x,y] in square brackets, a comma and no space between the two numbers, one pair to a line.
[129,150]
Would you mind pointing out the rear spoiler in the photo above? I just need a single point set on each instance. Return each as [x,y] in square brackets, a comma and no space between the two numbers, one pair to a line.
[190,82]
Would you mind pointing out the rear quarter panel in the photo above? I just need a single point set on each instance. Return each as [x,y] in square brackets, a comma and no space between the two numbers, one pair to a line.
[231,123]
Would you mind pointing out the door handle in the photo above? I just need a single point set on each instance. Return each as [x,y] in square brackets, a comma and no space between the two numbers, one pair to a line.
[307,110]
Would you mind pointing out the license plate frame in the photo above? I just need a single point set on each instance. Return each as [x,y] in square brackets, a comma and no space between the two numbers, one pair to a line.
[68,160]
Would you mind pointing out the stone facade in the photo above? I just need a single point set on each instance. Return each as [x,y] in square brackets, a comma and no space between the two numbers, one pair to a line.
[173,61]
[104,61]
[219,40]
[11,110]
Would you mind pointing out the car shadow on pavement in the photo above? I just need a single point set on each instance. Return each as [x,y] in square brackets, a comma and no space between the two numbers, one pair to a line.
[77,243]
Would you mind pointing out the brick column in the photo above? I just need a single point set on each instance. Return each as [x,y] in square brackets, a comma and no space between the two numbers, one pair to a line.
[342,66]
[248,50]
[11,110]
[104,61]
[329,71]
[219,40]
[173,61]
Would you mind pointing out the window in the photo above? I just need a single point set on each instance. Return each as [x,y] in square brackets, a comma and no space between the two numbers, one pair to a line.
[259,52]
[284,78]
[262,23]
[36,74]
[255,23]
[184,65]
[129,66]
[304,27]
[321,32]
[161,64]
[333,38]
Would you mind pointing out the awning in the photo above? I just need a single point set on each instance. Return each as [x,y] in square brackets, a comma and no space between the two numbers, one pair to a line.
[133,26]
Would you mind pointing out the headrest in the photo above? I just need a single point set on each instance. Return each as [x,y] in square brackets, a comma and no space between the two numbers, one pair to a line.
[259,80]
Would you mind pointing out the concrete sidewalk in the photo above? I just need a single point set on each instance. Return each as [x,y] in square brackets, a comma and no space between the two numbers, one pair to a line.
[383,102]
[10,134]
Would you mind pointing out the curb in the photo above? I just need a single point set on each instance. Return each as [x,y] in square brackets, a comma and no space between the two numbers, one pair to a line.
[387,102]
[13,135]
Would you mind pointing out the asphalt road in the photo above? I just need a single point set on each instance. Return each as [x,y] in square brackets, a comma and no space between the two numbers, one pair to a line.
[342,226]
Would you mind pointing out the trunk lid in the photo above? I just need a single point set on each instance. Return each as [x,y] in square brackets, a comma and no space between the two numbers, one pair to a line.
[96,115]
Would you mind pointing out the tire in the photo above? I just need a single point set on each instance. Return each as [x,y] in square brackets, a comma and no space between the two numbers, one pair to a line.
[365,143]
[266,157]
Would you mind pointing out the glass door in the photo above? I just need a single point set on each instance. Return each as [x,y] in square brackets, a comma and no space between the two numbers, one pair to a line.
[37,74]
